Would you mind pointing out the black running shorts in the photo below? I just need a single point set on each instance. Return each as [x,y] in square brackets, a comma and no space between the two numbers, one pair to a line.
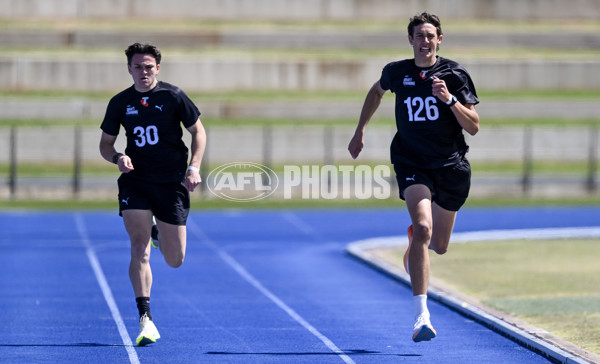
[449,186]
[169,202]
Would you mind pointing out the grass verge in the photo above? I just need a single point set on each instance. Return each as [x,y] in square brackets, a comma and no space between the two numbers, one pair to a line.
[551,284]
[199,203]
[193,25]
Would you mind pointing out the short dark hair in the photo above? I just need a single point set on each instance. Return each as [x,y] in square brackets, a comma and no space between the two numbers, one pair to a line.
[423,18]
[138,48]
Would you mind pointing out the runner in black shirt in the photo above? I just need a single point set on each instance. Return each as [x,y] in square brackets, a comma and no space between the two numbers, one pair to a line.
[151,121]
[156,179]
[435,100]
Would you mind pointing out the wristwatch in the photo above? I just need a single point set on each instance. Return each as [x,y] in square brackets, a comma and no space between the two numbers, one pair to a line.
[453,100]
[115,158]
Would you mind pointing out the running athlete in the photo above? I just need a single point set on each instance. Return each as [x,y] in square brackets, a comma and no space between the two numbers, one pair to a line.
[156,178]
[435,100]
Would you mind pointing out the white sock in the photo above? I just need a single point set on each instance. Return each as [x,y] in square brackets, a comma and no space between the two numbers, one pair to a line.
[420,302]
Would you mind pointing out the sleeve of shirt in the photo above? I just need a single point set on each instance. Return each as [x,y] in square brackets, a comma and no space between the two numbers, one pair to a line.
[385,80]
[465,89]
[111,123]
[188,112]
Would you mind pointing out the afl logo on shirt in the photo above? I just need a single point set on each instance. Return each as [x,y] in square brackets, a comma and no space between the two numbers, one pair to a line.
[144,101]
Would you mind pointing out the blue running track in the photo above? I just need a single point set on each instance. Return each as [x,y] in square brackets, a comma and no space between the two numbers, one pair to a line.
[256,287]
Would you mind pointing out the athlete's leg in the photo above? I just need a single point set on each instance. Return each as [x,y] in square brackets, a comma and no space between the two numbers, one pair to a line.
[418,201]
[172,242]
[443,224]
[138,224]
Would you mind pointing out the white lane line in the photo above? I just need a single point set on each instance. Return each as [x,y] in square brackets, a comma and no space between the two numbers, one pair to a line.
[195,229]
[106,291]
[491,236]
[301,225]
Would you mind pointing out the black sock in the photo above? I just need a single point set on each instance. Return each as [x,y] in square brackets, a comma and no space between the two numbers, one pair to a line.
[143,305]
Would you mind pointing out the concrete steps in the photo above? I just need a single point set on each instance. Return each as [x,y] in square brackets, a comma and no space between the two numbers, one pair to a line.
[309,110]
[79,43]
[247,72]
[77,46]
[304,38]
[294,10]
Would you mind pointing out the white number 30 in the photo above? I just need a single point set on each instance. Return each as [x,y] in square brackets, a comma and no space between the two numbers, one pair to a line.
[146,136]
[431,110]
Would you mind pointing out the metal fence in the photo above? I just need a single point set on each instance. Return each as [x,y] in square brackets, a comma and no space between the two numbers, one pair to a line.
[64,162]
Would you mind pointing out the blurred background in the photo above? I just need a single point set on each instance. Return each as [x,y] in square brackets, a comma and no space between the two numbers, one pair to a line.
[283,81]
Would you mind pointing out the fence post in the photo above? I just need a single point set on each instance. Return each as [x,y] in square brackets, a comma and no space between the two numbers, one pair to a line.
[204,168]
[267,155]
[77,162]
[527,159]
[328,150]
[593,160]
[12,178]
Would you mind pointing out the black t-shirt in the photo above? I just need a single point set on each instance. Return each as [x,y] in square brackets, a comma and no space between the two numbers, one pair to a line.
[428,136]
[152,126]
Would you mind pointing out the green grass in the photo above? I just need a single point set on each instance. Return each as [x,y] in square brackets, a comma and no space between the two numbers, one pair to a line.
[576,168]
[201,203]
[509,167]
[450,26]
[394,52]
[554,284]
[541,25]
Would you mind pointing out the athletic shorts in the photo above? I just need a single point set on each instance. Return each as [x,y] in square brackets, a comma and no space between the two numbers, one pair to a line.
[449,186]
[169,202]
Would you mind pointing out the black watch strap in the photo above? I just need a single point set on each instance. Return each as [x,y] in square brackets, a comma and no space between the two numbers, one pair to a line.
[116,157]
[453,100]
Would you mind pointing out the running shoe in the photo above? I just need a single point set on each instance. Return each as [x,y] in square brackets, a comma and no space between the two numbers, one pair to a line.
[154,235]
[148,332]
[410,238]
[423,331]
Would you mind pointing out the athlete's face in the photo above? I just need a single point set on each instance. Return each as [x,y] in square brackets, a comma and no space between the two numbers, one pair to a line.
[143,69]
[425,42]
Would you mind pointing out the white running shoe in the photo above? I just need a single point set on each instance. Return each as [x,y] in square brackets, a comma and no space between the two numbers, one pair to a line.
[148,332]
[423,331]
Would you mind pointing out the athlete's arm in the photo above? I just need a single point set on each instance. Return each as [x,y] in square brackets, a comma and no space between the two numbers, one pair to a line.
[192,177]
[466,114]
[108,151]
[467,117]
[372,102]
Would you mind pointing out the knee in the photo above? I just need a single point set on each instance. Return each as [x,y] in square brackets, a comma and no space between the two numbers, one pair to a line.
[175,260]
[439,246]
[139,251]
[440,250]
[422,232]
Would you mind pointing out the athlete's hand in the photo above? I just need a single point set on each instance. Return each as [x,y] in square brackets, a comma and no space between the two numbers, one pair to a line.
[356,144]
[124,163]
[192,179]
[440,90]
